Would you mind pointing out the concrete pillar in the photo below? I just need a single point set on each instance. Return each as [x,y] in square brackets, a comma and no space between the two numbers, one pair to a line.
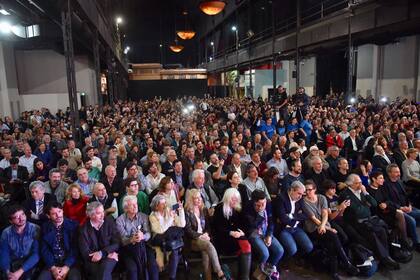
[377,71]
[9,94]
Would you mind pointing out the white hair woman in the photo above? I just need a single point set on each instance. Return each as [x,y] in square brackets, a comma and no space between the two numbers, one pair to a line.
[228,235]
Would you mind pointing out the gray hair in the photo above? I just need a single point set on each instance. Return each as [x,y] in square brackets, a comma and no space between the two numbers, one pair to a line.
[92,206]
[297,185]
[350,179]
[156,200]
[37,184]
[54,170]
[128,198]
[314,158]
[195,173]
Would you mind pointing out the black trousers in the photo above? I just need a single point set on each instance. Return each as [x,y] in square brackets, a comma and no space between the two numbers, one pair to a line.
[377,238]
[101,270]
[74,274]
[140,262]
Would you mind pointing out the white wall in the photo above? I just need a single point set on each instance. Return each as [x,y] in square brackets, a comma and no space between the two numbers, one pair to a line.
[43,79]
[9,94]
[387,69]
[307,75]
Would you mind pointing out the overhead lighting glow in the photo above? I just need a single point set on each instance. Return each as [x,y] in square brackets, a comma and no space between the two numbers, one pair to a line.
[4,12]
[176,48]
[212,43]
[5,27]
[212,7]
[352,100]
[119,20]
[234,28]
[185,34]
[384,99]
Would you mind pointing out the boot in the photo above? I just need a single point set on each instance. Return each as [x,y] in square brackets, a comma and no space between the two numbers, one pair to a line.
[334,268]
[244,266]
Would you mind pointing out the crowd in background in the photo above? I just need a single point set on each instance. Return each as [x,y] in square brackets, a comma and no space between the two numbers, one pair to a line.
[323,182]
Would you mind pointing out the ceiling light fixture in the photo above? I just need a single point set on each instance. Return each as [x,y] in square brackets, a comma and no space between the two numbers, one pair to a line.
[185,34]
[212,7]
[4,12]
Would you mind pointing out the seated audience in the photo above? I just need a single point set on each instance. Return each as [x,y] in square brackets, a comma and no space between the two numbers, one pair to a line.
[55,185]
[36,204]
[75,204]
[108,202]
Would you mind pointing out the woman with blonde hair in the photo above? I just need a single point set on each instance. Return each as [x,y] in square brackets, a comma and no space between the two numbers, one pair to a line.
[166,222]
[197,231]
[75,204]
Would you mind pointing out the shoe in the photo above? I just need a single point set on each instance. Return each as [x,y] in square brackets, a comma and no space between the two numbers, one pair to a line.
[351,269]
[267,269]
[407,245]
[390,263]
[258,274]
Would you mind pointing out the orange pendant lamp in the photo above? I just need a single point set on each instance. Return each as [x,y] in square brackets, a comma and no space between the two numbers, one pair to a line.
[175,47]
[212,7]
[185,34]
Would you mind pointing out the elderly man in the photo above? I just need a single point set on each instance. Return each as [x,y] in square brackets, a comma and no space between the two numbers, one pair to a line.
[112,183]
[58,236]
[15,178]
[5,162]
[37,203]
[168,165]
[237,166]
[19,248]
[108,202]
[359,216]
[134,229]
[208,195]
[85,182]
[288,211]
[27,159]
[55,185]
[99,242]
[316,173]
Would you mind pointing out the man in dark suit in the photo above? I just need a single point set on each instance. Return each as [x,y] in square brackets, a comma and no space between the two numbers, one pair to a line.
[168,165]
[36,205]
[381,159]
[58,236]
[180,177]
[352,147]
[114,185]
[359,216]
[288,212]
[15,178]
[99,243]
[400,152]
[237,166]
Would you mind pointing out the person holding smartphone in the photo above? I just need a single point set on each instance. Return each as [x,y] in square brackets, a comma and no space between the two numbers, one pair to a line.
[134,229]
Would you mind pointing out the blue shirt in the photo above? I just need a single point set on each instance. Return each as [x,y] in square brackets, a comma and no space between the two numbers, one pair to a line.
[14,246]
[268,129]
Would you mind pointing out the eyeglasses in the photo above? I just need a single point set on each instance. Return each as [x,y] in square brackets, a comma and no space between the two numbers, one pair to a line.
[309,189]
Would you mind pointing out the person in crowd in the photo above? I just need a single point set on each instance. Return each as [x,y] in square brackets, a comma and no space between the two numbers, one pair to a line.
[295,174]
[153,178]
[68,175]
[36,204]
[411,169]
[400,153]
[180,178]
[381,159]
[96,162]
[333,154]
[19,246]
[15,178]
[210,198]
[359,216]
[132,188]
[258,163]
[108,202]
[394,194]
[58,250]
[112,183]
[352,147]
[134,229]
[5,162]
[93,171]
[317,172]
[237,166]
[289,210]
[28,159]
[134,171]
[229,235]
[85,182]
[162,220]
[40,171]
[319,229]
[259,227]
[99,243]
[55,185]
[272,181]
[75,205]
[72,161]
[386,210]
[168,165]
[340,176]
[279,163]
[168,190]
[44,154]
[198,233]
[253,182]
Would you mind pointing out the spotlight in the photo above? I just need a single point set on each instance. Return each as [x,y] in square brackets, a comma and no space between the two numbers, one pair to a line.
[384,99]
[211,43]
[5,27]
[119,20]
[190,107]
[4,12]
[234,28]
[352,100]
[185,111]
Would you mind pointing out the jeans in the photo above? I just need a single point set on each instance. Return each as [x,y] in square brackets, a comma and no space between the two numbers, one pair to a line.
[73,274]
[271,254]
[412,220]
[291,238]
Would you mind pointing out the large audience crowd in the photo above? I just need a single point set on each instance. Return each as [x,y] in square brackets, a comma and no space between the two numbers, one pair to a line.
[313,181]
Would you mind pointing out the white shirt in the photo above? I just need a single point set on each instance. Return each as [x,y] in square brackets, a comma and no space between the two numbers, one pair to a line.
[28,162]
[153,182]
[238,170]
[292,210]
[4,163]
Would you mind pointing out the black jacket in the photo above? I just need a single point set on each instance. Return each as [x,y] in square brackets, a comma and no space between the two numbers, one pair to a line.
[30,205]
[253,220]
[282,207]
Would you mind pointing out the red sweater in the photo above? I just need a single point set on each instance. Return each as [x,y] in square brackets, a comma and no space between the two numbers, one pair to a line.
[76,212]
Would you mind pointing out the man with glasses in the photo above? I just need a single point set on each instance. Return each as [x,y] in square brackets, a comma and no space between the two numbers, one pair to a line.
[168,165]
[19,248]
[288,213]
[358,215]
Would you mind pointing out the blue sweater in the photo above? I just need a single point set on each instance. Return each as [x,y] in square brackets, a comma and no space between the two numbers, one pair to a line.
[17,247]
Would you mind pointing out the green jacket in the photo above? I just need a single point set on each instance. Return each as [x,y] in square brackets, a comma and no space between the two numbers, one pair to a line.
[142,202]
